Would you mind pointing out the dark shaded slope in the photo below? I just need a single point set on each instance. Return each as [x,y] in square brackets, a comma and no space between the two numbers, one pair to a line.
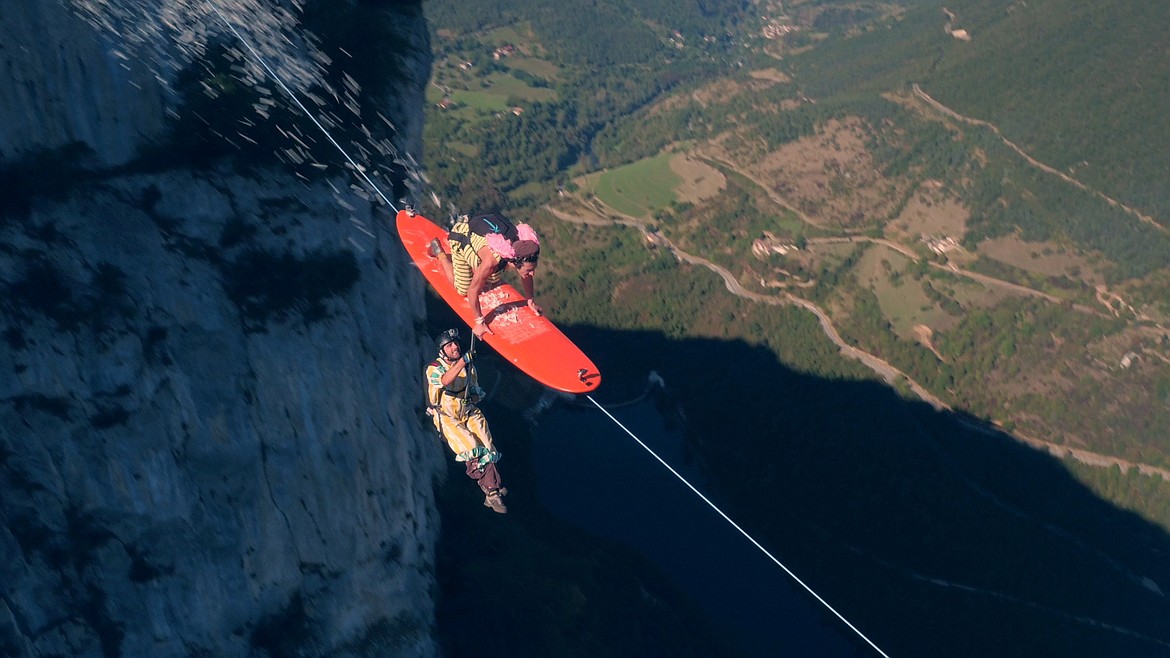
[935,537]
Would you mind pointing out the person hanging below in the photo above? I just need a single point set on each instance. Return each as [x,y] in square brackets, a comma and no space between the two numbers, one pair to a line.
[481,248]
[452,395]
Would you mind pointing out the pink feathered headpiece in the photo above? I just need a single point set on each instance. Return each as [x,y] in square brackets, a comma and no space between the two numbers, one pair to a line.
[508,250]
[526,233]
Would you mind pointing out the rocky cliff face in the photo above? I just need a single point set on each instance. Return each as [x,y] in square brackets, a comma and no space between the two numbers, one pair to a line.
[209,431]
[63,85]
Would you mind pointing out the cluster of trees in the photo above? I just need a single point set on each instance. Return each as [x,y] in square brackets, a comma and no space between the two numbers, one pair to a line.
[1085,101]
[548,139]
[1129,487]
[840,19]
[752,113]
[1023,341]
[867,326]
[598,34]
[944,301]
[1007,194]
[1061,286]
[600,86]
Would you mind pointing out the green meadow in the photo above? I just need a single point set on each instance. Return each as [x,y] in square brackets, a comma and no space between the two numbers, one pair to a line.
[541,68]
[497,91]
[637,189]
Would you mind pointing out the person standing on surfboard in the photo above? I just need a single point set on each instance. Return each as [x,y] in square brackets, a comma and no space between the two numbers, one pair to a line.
[452,393]
[482,247]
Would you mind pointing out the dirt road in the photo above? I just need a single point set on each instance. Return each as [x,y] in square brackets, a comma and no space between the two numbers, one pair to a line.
[887,372]
[1032,161]
[883,369]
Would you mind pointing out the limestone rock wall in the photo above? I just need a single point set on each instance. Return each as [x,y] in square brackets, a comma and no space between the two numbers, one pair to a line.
[62,85]
[210,441]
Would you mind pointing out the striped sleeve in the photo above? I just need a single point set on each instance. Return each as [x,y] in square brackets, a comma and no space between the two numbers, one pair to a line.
[478,241]
[435,375]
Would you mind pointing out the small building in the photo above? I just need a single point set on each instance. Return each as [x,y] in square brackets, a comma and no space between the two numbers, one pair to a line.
[770,244]
[941,245]
[1128,359]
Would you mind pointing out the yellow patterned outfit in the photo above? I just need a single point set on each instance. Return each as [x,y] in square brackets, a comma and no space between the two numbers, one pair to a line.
[461,423]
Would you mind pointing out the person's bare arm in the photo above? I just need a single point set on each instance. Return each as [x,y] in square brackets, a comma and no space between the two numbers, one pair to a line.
[528,283]
[487,264]
[454,371]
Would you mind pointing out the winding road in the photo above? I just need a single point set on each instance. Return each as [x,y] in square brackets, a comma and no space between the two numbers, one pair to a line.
[925,97]
[888,373]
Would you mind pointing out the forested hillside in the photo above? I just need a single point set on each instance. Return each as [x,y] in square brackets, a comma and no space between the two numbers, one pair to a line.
[748,103]
[487,154]
[971,192]
[579,32]
[1079,84]
[1076,84]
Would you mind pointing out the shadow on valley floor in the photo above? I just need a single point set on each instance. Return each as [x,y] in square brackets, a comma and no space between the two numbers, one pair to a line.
[940,538]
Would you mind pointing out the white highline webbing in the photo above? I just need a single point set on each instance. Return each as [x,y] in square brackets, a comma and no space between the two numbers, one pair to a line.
[736,526]
[358,169]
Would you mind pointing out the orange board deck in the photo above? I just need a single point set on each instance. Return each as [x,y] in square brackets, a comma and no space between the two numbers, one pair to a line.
[530,341]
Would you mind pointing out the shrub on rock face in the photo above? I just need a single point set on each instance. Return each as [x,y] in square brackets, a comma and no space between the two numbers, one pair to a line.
[267,286]
[44,289]
[51,173]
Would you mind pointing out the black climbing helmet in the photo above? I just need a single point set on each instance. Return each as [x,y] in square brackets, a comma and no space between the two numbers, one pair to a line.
[448,336]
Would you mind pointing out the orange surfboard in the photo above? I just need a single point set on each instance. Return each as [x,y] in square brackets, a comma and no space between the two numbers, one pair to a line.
[530,341]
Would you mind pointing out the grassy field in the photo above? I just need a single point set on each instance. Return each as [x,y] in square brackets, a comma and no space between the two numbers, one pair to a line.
[791,223]
[539,67]
[497,90]
[636,189]
[902,299]
[506,85]
[504,35]
[1045,258]
[968,293]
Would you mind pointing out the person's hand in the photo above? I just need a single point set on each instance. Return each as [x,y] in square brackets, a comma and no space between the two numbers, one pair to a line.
[481,328]
[476,394]
[535,307]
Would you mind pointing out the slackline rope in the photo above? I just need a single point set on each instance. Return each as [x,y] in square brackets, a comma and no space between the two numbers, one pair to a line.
[357,168]
[360,171]
[736,526]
